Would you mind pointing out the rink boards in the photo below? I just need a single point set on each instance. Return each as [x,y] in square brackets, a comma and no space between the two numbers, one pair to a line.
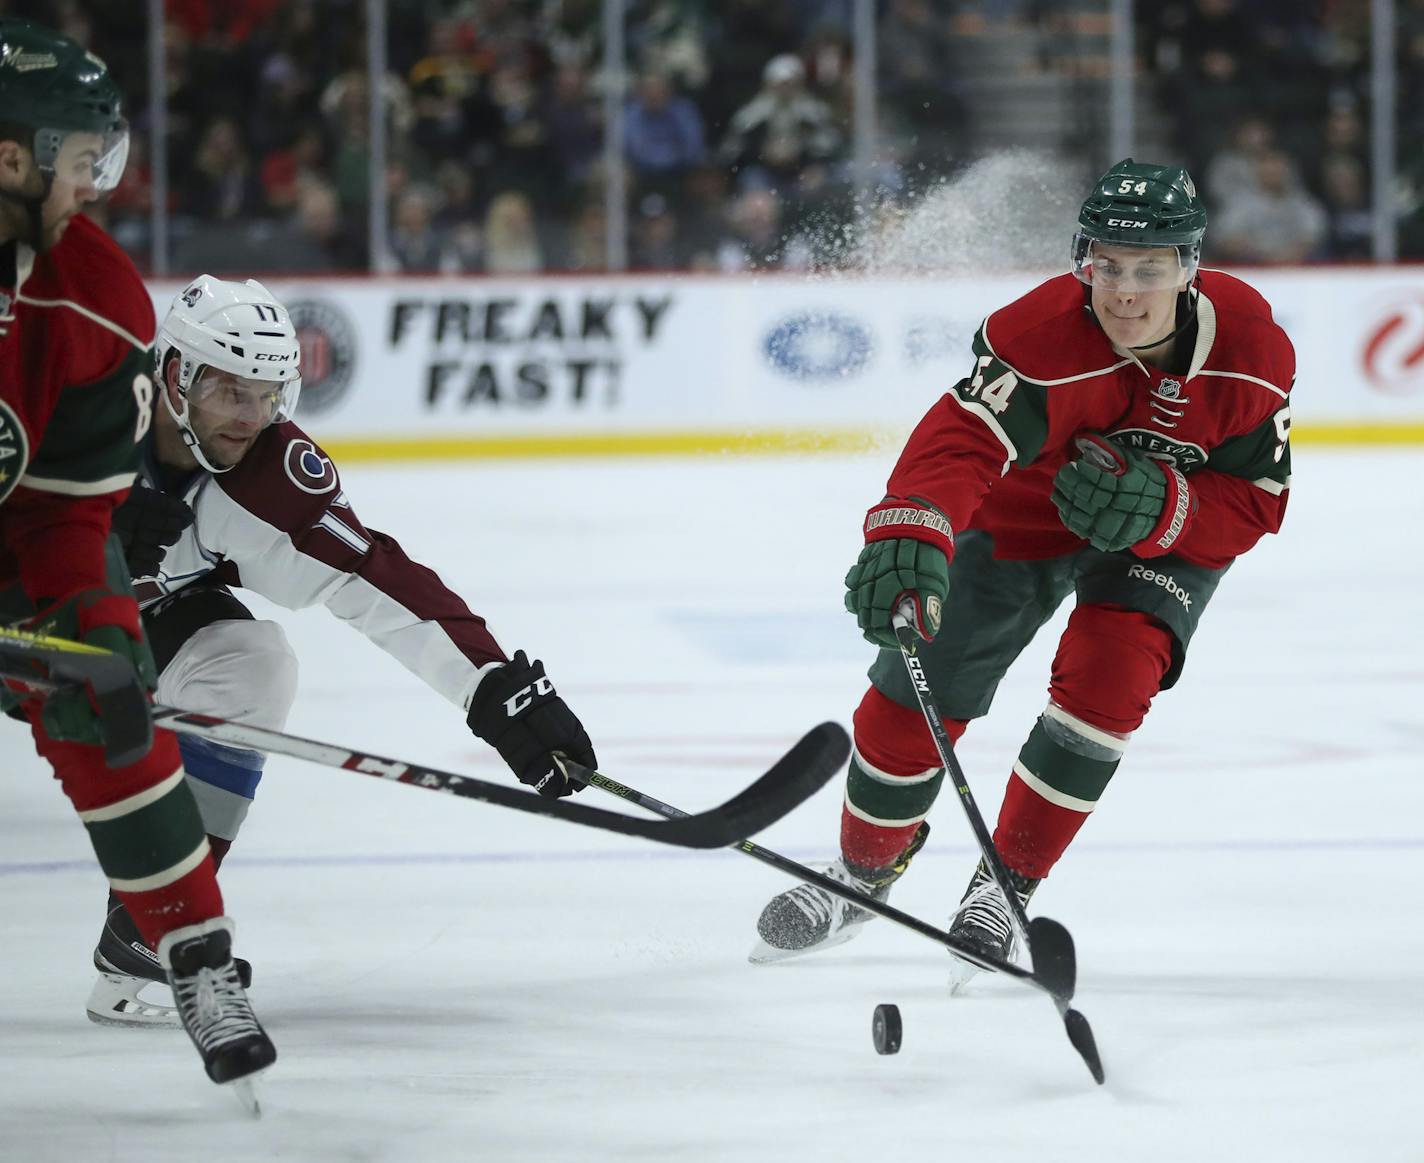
[439,367]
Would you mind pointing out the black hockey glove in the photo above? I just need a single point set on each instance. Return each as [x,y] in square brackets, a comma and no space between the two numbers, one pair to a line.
[517,712]
[146,524]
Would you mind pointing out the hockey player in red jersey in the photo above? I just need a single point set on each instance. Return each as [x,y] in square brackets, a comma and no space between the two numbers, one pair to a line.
[242,497]
[1121,436]
[75,398]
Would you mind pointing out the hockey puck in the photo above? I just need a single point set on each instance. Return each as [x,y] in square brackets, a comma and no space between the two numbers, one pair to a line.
[887,1029]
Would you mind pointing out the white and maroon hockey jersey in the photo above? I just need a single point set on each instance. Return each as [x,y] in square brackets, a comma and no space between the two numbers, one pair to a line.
[279,524]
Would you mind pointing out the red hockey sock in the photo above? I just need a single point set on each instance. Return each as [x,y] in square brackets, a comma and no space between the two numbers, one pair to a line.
[189,900]
[894,777]
[1110,664]
[146,831]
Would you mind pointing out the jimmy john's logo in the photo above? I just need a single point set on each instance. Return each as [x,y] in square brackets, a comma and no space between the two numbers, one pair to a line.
[14,450]
[1158,446]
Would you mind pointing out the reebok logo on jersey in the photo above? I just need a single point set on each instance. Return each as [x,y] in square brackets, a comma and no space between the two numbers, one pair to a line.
[1165,580]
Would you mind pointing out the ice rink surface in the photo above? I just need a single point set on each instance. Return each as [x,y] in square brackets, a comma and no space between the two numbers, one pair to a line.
[451,981]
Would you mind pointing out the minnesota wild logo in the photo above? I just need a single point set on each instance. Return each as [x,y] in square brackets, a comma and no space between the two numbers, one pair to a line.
[1161,447]
[14,450]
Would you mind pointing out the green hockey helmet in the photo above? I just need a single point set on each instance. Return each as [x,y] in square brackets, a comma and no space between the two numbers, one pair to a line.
[1140,205]
[54,88]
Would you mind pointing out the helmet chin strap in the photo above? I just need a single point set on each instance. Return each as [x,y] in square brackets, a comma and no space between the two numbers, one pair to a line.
[185,429]
[1191,292]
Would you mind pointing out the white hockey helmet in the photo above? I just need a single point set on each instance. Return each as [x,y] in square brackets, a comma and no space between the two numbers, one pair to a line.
[236,328]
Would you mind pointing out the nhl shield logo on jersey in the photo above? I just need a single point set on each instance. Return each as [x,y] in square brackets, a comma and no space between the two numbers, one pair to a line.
[14,450]
[1170,389]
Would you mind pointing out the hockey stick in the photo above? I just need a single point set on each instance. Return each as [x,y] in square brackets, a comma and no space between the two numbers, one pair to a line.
[1055,969]
[1079,1032]
[46,664]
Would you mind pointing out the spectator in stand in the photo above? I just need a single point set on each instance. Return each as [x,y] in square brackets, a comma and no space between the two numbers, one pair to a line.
[1234,167]
[523,144]
[221,186]
[1273,221]
[575,127]
[314,238]
[756,240]
[655,243]
[1350,230]
[512,244]
[1211,59]
[1343,142]
[444,83]
[586,244]
[662,135]
[284,170]
[704,216]
[918,79]
[782,131]
[417,244]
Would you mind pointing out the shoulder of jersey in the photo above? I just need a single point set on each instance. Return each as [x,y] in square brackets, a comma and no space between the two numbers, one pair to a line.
[1246,332]
[91,270]
[284,479]
[1047,335]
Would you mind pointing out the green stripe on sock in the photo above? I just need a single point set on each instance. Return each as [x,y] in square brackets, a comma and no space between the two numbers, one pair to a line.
[891,801]
[147,841]
[1072,775]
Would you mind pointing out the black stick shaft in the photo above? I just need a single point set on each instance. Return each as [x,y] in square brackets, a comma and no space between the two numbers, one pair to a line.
[835,888]
[909,651]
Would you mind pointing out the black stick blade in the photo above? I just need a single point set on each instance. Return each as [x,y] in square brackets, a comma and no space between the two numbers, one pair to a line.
[1081,1035]
[1055,963]
[795,777]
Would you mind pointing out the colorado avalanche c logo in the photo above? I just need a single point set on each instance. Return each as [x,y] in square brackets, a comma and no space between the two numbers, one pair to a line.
[308,469]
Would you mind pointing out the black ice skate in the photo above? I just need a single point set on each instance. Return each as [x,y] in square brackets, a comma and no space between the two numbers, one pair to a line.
[807,919]
[213,1005]
[984,922]
[132,987]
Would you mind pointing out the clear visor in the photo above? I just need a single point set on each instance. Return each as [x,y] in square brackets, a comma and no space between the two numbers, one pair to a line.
[225,398]
[1133,269]
[81,158]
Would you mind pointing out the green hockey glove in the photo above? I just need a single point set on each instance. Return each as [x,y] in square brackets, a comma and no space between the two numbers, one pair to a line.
[908,547]
[97,617]
[1120,498]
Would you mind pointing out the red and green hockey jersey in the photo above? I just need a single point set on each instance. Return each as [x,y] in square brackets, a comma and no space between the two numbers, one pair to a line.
[76,326]
[1045,372]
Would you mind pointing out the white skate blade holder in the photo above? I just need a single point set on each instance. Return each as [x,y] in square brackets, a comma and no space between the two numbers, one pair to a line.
[117,1000]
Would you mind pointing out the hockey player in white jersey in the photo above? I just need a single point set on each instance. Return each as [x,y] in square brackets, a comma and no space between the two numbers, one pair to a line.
[240,497]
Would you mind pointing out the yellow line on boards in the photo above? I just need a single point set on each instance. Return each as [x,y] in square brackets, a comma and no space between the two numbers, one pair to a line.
[755,443]
[591,444]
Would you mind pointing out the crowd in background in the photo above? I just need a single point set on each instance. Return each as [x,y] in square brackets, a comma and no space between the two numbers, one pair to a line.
[737,126]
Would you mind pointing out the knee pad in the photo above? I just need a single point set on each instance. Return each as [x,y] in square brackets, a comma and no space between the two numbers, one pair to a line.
[896,740]
[1109,666]
[243,670]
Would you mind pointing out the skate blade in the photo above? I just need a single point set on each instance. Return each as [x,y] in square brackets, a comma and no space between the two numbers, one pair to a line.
[764,954]
[115,1001]
[961,973]
[244,1089]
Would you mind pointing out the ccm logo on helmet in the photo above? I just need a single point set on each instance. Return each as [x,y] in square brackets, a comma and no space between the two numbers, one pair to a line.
[273,357]
[1130,223]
